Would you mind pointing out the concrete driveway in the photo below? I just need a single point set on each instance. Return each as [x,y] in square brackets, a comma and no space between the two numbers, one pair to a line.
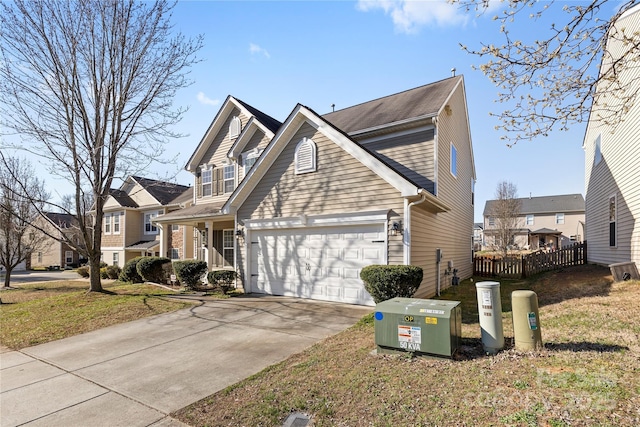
[135,374]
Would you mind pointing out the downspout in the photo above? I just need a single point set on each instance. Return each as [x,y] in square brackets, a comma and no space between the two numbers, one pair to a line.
[406,236]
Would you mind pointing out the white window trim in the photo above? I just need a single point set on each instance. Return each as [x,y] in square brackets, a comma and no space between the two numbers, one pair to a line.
[116,258]
[232,248]
[560,217]
[253,154]
[175,227]
[597,150]
[151,215]
[526,219]
[116,221]
[107,224]
[453,160]
[313,165]
[68,255]
[208,169]
[176,252]
[231,167]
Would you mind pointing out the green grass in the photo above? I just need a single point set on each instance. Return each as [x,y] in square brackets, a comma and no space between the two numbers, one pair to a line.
[43,312]
[587,374]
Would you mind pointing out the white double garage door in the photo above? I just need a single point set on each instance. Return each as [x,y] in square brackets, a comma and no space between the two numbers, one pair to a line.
[319,263]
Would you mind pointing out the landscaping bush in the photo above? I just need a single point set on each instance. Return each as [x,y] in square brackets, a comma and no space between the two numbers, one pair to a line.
[113,271]
[224,279]
[103,273]
[190,272]
[384,282]
[83,271]
[129,272]
[151,270]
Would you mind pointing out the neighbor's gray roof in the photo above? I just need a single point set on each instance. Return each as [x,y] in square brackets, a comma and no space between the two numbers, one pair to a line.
[545,231]
[162,191]
[186,196]
[122,198]
[143,245]
[62,220]
[545,204]
[423,101]
[272,124]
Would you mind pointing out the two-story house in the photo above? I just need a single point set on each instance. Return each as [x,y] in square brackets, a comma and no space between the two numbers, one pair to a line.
[52,251]
[612,153]
[299,208]
[128,229]
[545,222]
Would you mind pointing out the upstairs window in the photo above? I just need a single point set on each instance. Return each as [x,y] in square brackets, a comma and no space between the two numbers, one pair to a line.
[529,220]
[149,227]
[492,221]
[454,161]
[229,178]
[234,127]
[116,223]
[559,218]
[107,224]
[305,157]
[249,159]
[206,182]
[597,158]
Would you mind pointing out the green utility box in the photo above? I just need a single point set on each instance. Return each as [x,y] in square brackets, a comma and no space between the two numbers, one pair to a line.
[423,326]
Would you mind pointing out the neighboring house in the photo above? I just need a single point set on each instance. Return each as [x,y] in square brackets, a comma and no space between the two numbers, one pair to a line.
[52,252]
[546,222]
[389,181]
[612,156]
[128,229]
[478,236]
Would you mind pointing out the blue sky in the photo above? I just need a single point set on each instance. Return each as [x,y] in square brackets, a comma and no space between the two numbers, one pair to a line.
[273,55]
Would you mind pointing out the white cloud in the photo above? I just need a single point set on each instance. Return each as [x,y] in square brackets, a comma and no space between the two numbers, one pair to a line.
[410,15]
[254,49]
[204,99]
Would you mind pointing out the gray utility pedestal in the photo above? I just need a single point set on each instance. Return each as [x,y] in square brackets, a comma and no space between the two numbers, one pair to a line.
[422,326]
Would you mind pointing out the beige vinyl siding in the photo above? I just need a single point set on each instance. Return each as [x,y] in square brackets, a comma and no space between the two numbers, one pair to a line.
[341,184]
[216,154]
[411,154]
[616,174]
[451,231]
[142,198]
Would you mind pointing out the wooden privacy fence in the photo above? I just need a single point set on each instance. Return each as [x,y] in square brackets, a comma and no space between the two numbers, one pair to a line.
[519,267]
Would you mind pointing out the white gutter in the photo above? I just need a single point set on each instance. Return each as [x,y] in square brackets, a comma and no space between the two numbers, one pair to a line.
[406,235]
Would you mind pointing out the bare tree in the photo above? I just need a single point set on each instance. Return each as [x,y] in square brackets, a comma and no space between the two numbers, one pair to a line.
[549,82]
[504,212]
[88,86]
[22,197]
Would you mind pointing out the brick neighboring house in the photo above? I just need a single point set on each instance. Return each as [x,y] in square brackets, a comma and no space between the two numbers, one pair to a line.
[545,222]
[128,229]
[53,252]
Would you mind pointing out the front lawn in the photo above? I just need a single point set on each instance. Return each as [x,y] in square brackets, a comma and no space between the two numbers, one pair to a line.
[587,374]
[43,312]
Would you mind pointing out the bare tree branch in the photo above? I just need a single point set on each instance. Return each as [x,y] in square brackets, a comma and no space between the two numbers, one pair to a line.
[550,82]
[89,88]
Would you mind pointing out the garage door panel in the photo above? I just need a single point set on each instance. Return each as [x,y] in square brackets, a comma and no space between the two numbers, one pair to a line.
[319,263]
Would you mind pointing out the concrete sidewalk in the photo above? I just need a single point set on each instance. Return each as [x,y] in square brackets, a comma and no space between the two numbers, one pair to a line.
[135,374]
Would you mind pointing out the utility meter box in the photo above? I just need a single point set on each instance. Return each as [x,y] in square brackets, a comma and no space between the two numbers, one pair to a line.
[423,326]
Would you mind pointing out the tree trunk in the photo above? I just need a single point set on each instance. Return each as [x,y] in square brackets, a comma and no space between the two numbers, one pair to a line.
[7,278]
[95,285]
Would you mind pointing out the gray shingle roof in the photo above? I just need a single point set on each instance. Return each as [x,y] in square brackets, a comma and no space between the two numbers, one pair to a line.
[271,123]
[423,101]
[122,198]
[162,191]
[61,220]
[546,204]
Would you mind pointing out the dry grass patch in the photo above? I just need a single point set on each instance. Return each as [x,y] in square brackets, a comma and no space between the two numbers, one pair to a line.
[588,373]
[43,312]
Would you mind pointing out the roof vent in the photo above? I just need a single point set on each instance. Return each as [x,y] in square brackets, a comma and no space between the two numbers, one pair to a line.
[453,72]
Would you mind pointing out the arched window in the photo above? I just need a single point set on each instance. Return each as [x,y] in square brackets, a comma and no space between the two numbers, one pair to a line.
[305,158]
[235,127]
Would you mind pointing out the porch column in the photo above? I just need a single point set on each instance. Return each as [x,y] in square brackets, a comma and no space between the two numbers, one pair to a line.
[209,228]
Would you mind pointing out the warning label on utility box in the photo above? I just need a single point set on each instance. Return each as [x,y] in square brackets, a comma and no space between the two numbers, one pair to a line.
[409,334]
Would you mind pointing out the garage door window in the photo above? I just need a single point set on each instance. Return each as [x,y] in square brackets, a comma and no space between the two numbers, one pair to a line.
[228,245]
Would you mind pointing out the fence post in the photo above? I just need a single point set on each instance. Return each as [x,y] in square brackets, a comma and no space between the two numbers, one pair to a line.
[584,252]
[524,267]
